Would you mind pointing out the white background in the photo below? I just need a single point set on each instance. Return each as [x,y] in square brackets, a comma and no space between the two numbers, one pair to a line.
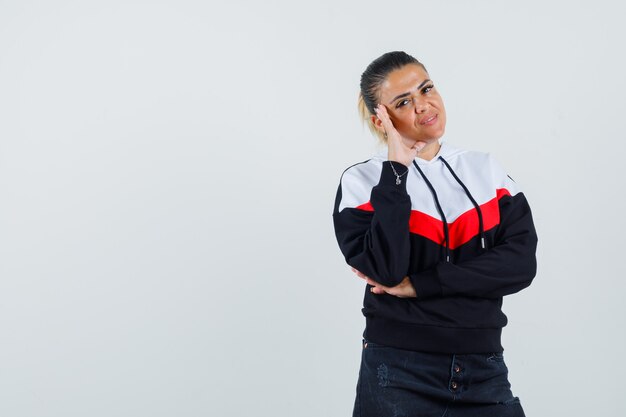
[167,176]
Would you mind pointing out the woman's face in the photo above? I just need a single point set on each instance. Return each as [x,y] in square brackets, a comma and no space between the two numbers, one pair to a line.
[414,105]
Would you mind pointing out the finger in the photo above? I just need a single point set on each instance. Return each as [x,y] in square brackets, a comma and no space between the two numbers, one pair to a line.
[359,274]
[419,145]
[376,290]
[372,282]
[379,289]
[381,112]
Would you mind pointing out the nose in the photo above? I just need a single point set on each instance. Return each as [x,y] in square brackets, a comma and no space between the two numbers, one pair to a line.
[420,105]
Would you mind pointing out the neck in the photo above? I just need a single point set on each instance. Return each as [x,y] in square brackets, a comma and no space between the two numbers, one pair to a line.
[429,151]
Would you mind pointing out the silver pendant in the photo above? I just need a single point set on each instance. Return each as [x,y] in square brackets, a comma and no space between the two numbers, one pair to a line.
[398,181]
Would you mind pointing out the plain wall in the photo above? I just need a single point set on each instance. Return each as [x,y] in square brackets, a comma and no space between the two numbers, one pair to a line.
[167,176]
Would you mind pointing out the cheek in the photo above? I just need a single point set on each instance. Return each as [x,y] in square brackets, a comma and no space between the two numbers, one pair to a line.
[402,118]
[440,103]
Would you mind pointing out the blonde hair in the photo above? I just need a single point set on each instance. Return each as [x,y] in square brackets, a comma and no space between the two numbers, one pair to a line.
[366,117]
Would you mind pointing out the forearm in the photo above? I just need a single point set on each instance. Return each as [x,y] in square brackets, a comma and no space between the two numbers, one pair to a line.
[375,239]
[507,268]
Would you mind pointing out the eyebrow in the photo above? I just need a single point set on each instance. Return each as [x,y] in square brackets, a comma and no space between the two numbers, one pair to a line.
[407,94]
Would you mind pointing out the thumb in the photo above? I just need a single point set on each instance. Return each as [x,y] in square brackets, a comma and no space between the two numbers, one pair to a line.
[376,290]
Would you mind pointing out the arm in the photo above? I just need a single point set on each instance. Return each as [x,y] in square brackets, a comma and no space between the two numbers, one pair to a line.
[505,269]
[375,242]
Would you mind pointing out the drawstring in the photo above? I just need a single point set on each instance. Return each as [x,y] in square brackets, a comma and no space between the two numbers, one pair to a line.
[446,235]
[481,228]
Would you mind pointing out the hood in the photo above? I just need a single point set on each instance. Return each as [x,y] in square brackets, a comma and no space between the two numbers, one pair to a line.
[446,151]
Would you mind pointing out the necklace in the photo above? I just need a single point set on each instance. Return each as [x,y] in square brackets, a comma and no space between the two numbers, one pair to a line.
[398,181]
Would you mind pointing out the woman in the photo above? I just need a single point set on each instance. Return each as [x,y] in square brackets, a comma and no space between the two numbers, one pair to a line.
[440,235]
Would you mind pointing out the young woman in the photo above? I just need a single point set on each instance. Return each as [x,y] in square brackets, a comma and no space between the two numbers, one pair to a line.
[440,235]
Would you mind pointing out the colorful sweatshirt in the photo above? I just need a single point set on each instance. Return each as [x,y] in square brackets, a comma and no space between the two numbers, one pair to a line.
[458,226]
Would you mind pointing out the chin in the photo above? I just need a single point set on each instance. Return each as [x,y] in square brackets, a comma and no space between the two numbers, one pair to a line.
[433,139]
[440,134]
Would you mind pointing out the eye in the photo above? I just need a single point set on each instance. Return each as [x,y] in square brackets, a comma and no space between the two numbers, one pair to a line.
[402,103]
[427,89]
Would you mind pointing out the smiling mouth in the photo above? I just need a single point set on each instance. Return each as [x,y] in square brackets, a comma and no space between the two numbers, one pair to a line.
[429,121]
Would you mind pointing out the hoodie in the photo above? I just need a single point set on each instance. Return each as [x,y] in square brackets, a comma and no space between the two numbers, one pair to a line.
[458,226]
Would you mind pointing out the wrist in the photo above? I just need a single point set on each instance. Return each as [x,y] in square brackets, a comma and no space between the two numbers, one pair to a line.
[400,161]
[400,157]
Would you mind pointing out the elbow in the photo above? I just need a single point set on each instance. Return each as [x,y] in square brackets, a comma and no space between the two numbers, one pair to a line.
[528,272]
[532,266]
[525,272]
[528,268]
[382,273]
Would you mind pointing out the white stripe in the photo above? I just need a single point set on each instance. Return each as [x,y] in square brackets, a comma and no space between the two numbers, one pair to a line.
[480,173]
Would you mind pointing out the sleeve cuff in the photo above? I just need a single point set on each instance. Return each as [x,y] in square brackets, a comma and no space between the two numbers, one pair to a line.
[426,284]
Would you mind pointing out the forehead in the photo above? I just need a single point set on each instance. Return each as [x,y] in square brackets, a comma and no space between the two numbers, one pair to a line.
[401,81]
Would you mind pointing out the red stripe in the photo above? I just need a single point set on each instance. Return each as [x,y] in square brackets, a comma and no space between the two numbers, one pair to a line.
[501,192]
[464,228]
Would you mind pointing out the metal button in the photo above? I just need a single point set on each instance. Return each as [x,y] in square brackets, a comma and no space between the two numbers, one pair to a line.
[454,385]
[457,369]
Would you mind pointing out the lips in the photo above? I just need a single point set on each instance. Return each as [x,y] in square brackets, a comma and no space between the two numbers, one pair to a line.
[428,120]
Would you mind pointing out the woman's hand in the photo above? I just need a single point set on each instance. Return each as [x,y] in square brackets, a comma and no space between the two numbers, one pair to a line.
[403,290]
[399,149]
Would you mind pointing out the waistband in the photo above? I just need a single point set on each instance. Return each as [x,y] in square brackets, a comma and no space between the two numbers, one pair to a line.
[434,339]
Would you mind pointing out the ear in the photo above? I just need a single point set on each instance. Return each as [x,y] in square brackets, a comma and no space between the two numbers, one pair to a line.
[377,123]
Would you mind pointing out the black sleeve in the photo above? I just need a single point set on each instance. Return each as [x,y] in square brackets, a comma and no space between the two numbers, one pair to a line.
[505,269]
[377,242]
